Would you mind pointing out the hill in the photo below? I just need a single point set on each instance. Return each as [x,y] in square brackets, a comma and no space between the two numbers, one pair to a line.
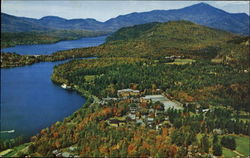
[200,13]
[178,38]
[157,40]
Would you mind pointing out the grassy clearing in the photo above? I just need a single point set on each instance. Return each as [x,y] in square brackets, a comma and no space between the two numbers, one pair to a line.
[89,78]
[5,152]
[182,61]
[242,143]
[244,116]
[216,60]
[15,150]
[244,119]
[227,153]
[199,136]
[242,146]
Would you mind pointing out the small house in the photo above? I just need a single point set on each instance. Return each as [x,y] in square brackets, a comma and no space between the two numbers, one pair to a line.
[128,92]
[133,108]
[169,59]
[217,131]
[72,148]
[65,86]
[65,154]
[54,152]
[150,120]
[205,110]
[59,155]
[145,100]
[140,122]
[132,116]
[115,122]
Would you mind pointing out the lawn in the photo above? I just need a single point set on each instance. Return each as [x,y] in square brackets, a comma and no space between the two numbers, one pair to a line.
[16,149]
[182,61]
[243,145]
[227,153]
[89,78]
[5,152]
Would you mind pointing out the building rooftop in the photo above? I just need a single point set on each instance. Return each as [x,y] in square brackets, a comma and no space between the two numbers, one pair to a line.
[128,90]
[65,154]
[155,98]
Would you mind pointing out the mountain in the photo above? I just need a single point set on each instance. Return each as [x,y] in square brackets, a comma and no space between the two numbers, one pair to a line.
[200,13]
[75,24]
[11,23]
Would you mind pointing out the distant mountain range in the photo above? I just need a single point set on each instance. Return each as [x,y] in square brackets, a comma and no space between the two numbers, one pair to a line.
[200,13]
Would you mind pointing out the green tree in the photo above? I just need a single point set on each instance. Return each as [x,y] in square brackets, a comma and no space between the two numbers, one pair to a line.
[205,144]
[215,139]
[217,150]
[228,142]
[182,152]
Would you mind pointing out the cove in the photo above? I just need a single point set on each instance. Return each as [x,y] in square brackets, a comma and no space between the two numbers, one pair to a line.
[39,49]
[30,101]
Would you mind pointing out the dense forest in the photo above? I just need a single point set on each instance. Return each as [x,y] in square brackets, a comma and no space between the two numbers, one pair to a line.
[204,82]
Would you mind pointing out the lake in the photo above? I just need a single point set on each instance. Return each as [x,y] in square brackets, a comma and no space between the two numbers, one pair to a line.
[38,49]
[29,99]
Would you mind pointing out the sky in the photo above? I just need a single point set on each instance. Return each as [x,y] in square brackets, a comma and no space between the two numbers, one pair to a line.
[104,10]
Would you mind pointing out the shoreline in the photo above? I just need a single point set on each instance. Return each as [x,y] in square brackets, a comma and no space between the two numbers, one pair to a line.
[11,60]
[58,38]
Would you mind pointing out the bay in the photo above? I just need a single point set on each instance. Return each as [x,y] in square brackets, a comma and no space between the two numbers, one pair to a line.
[29,99]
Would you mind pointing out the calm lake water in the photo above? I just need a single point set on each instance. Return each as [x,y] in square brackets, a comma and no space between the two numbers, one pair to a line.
[30,101]
[37,49]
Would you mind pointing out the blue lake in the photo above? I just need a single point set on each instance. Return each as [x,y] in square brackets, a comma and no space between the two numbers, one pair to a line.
[29,99]
[37,49]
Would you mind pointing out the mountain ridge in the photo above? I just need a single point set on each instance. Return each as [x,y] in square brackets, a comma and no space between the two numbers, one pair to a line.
[201,13]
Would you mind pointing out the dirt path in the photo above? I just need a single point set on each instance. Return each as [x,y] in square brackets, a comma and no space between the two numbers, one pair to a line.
[236,152]
[5,152]
[24,150]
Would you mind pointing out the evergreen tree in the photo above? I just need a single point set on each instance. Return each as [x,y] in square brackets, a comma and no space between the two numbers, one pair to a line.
[205,144]
[217,150]
[228,142]
[215,139]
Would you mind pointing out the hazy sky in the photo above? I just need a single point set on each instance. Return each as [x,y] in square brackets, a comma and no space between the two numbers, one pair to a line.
[103,10]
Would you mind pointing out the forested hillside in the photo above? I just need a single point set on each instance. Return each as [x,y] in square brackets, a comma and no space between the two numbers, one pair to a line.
[178,38]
